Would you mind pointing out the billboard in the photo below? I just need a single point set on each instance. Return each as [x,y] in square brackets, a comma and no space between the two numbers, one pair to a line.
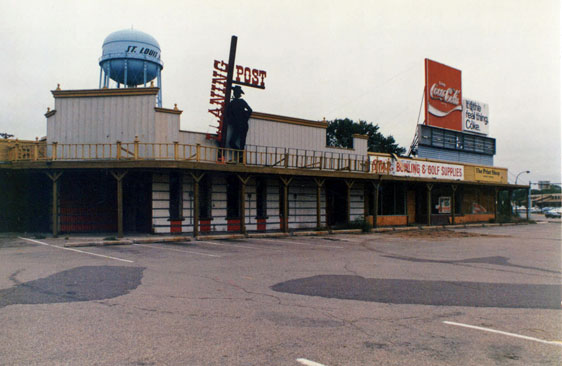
[475,117]
[443,96]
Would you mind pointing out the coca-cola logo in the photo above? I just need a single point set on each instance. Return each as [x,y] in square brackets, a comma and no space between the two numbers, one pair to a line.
[440,91]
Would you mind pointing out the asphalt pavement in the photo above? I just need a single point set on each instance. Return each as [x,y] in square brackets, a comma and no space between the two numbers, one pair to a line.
[467,296]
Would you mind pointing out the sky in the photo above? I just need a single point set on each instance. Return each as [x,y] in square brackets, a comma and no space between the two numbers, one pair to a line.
[358,59]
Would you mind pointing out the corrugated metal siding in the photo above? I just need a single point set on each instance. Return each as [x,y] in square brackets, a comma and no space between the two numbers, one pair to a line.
[102,119]
[451,155]
[167,127]
[279,134]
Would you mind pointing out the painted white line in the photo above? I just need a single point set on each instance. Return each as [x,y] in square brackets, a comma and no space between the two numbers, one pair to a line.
[233,245]
[177,250]
[306,362]
[554,343]
[76,250]
[280,241]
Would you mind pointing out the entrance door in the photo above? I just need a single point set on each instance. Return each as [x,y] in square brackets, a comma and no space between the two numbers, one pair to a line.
[336,203]
[137,202]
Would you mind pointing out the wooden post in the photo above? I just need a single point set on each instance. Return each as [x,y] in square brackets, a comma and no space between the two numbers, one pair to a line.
[136,148]
[36,149]
[454,187]
[496,199]
[196,179]
[429,188]
[349,184]
[54,178]
[118,150]
[176,150]
[54,154]
[376,186]
[198,152]
[244,180]
[119,177]
[319,184]
[286,182]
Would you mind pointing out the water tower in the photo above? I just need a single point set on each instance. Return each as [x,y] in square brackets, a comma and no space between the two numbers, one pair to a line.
[131,58]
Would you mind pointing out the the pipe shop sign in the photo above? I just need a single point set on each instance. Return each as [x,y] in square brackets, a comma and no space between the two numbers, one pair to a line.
[415,168]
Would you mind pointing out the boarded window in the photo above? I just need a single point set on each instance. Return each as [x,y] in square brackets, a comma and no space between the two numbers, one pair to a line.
[232,197]
[176,196]
[261,198]
[205,198]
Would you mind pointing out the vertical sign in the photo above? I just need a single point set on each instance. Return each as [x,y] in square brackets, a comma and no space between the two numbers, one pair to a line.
[443,99]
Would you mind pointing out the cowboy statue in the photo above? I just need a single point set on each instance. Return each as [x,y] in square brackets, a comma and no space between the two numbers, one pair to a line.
[237,113]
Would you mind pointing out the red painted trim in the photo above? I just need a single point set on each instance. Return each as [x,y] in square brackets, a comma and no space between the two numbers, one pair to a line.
[233,224]
[204,226]
[261,224]
[175,226]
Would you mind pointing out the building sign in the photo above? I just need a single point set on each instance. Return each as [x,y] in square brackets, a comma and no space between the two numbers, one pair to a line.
[475,117]
[444,206]
[246,76]
[443,96]
[415,168]
[250,77]
[486,174]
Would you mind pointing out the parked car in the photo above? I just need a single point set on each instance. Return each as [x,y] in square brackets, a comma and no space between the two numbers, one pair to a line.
[545,209]
[535,210]
[554,213]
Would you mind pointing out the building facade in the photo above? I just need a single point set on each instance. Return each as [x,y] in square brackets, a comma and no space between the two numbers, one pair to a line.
[113,161]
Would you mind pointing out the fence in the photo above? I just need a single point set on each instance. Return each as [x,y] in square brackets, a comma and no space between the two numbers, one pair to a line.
[253,155]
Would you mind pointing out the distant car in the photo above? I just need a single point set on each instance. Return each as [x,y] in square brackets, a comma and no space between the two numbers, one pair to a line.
[545,209]
[555,213]
[535,210]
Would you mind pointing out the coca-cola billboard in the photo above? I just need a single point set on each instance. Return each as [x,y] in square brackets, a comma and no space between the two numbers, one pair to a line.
[443,96]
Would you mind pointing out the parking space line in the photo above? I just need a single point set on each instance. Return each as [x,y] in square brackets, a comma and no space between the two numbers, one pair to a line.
[306,362]
[177,250]
[279,241]
[234,245]
[490,330]
[76,250]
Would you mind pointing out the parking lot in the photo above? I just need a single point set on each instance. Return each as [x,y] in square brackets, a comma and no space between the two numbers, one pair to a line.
[469,296]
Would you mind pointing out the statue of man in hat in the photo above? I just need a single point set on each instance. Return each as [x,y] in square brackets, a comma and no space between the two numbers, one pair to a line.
[238,113]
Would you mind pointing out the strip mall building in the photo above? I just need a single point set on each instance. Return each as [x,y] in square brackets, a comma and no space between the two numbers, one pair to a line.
[115,161]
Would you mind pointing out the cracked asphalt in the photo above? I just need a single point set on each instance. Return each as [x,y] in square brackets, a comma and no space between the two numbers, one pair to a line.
[374,299]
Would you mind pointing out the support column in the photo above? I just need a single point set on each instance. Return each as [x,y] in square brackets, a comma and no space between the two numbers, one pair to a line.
[196,179]
[54,176]
[496,201]
[119,177]
[286,182]
[529,202]
[510,210]
[429,187]
[319,184]
[349,184]
[244,180]
[453,200]
[376,186]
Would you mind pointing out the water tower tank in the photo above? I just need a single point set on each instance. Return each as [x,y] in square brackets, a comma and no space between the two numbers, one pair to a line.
[130,57]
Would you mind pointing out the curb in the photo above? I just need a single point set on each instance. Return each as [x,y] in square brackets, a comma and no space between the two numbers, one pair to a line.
[102,243]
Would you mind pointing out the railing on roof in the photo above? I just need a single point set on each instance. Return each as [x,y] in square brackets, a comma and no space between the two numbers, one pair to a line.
[264,156]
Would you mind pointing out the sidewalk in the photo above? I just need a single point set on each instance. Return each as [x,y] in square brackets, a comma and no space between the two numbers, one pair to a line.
[110,239]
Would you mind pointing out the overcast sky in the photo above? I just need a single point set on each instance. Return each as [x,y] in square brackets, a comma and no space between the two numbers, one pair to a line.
[334,59]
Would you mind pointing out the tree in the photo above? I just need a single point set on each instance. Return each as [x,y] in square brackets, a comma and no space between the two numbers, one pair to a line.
[5,135]
[340,134]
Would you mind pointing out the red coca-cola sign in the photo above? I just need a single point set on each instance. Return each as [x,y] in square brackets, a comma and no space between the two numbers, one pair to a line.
[443,96]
